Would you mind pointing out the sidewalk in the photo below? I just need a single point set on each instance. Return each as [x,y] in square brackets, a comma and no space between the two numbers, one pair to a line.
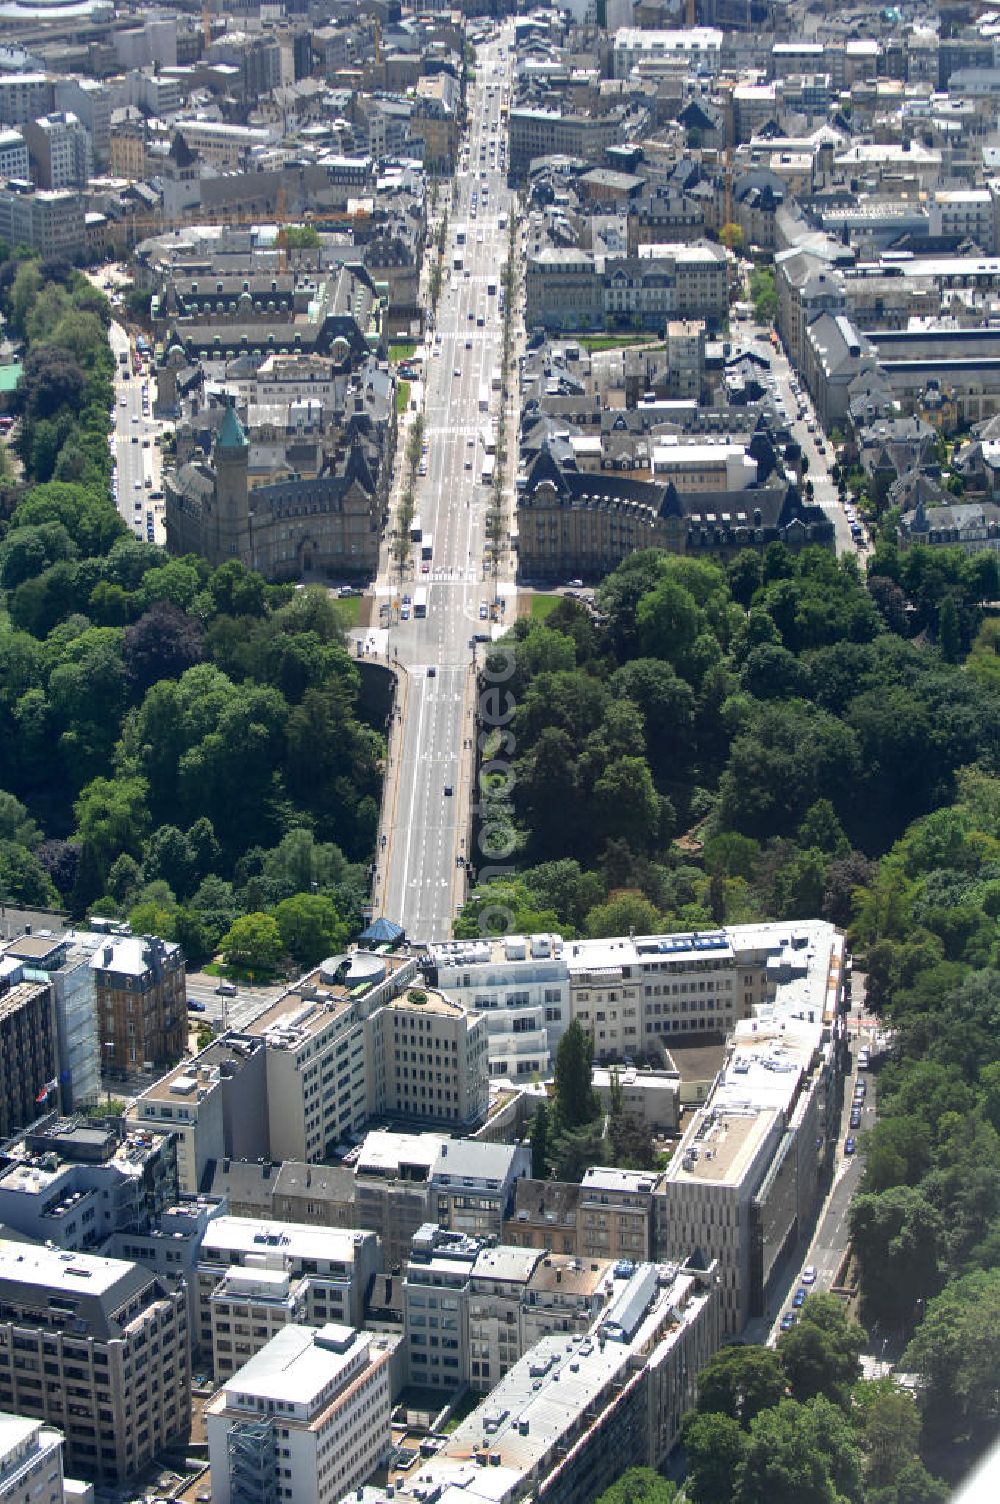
[390,789]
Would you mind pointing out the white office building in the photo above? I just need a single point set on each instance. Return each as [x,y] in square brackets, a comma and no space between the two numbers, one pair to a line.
[31,1463]
[744,1181]
[307,1419]
[520,985]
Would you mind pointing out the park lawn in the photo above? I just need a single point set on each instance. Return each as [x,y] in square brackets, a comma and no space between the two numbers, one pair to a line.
[262,976]
[401,350]
[543,606]
[402,396]
[348,610]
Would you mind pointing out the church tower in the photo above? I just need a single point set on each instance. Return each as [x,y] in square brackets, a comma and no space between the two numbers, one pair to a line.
[232,455]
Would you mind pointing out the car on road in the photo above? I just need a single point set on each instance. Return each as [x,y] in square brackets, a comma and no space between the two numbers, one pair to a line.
[448,791]
[809,1274]
[226,989]
[406,600]
[863,1059]
[457,372]
[850,1144]
[484,610]
[788,1321]
[432,672]
[800,1297]
[576,584]
[123,402]
[856,1118]
[404,615]
[425,568]
[194,1006]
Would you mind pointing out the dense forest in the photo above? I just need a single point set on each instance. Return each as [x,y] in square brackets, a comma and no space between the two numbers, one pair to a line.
[178,745]
[783,717]
[785,738]
[797,1425]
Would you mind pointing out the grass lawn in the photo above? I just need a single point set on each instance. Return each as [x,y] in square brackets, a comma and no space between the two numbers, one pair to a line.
[465,1407]
[594,342]
[348,610]
[263,977]
[402,396]
[402,350]
[543,606]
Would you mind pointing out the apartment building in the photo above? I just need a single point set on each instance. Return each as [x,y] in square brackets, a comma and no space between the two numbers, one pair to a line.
[90,102]
[473,1184]
[215,1106]
[520,984]
[24,97]
[615,1213]
[329,1271]
[707,466]
[392,1189]
[112,1342]
[545,133]
[141,985]
[171,1246]
[31,1462]
[435,1307]
[29,1066]
[293,1085]
[428,1061]
[649,53]
[222,144]
[65,966]
[13,156]
[72,1184]
[307,1418]
[633,994]
[744,1180]
[246,1309]
[559,1423]
[61,151]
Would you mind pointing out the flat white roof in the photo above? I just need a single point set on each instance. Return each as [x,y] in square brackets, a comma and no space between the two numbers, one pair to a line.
[295,1239]
[297,1365]
[55,1269]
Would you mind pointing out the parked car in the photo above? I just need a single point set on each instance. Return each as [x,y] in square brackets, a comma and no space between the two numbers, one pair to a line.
[809,1274]
[850,1144]
[226,989]
[799,1298]
[788,1321]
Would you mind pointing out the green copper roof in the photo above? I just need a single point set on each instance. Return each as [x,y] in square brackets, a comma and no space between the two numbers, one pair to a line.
[231,433]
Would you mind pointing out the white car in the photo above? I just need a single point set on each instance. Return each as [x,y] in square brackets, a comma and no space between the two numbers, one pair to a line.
[809,1275]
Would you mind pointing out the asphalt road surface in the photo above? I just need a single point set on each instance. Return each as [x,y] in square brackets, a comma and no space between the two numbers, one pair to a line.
[757,338]
[418,878]
[137,458]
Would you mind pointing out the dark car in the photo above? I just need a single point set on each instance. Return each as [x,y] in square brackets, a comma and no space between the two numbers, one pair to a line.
[856,1118]
[447,790]
[788,1321]
[800,1297]
[194,1006]
[850,1144]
